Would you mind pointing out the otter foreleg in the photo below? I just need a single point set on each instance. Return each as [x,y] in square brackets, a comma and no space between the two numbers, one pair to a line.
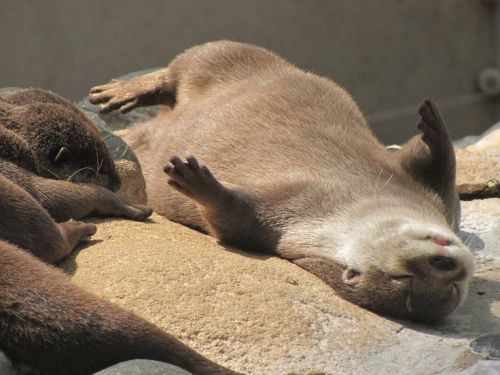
[66,200]
[27,224]
[149,89]
[232,213]
[430,159]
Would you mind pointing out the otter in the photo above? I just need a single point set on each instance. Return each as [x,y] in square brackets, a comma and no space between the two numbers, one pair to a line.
[64,143]
[52,326]
[52,152]
[290,167]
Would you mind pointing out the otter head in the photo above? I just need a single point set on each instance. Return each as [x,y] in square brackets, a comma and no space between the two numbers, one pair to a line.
[402,268]
[67,145]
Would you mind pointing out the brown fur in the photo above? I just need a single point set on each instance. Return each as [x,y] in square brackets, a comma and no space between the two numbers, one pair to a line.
[299,173]
[54,327]
[47,123]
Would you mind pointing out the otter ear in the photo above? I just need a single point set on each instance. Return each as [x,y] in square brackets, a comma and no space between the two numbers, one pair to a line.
[63,154]
[351,277]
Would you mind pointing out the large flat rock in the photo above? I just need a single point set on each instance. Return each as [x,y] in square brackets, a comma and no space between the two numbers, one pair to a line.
[264,315]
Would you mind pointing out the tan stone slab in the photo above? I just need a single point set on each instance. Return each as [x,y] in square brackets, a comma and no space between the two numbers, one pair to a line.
[264,315]
[257,314]
[478,173]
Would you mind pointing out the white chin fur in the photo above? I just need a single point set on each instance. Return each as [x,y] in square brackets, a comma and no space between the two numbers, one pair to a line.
[377,246]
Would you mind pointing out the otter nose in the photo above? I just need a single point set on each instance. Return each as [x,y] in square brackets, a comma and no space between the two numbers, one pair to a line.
[443,263]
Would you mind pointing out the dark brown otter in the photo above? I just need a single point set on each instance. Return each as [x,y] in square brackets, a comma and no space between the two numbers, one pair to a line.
[54,327]
[64,142]
[44,137]
[300,174]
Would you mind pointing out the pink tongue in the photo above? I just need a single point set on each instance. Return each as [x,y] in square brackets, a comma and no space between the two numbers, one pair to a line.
[441,241]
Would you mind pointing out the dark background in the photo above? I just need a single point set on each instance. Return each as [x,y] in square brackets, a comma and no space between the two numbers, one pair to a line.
[389,54]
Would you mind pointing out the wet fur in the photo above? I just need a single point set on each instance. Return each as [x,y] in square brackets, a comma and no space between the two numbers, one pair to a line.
[298,173]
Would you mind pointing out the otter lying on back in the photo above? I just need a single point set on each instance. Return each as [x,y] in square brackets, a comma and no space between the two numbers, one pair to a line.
[297,172]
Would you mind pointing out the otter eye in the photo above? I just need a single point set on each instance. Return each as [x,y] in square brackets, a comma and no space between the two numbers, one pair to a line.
[60,155]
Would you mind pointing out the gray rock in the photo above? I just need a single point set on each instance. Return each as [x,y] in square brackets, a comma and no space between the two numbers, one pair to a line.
[471,139]
[143,367]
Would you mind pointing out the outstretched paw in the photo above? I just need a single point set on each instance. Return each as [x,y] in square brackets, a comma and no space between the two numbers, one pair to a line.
[137,212]
[76,231]
[122,95]
[193,180]
[434,132]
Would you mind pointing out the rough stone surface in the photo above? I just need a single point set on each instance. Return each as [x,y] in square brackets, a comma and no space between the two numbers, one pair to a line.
[133,189]
[142,367]
[478,166]
[478,173]
[264,315]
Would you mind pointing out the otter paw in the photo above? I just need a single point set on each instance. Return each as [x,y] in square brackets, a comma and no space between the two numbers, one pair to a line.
[121,95]
[138,212]
[76,231]
[434,132]
[193,180]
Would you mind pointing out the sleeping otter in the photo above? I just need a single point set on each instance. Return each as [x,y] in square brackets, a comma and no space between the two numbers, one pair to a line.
[295,171]
[64,142]
[51,151]
[54,327]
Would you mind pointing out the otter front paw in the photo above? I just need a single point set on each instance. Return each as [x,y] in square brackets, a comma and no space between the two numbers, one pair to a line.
[123,95]
[193,180]
[137,212]
[434,132]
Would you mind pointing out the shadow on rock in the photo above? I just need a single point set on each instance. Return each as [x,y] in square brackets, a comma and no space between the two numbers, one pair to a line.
[69,265]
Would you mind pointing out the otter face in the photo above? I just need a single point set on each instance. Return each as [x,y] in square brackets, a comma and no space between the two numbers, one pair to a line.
[406,269]
[397,267]
[67,145]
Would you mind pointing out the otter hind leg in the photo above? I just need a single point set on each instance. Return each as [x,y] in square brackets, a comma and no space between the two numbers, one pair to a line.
[76,231]
[232,213]
[158,87]
[430,159]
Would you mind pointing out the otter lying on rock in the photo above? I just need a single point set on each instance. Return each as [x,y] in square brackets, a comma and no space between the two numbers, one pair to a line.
[43,137]
[54,327]
[295,171]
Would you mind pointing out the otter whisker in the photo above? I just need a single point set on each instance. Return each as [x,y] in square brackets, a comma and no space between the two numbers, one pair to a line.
[408,303]
[378,179]
[390,177]
[52,173]
[78,171]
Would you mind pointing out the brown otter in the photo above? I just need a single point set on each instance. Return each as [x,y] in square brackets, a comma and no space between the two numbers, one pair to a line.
[54,327]
[300,174]
[42,137]
[64,142]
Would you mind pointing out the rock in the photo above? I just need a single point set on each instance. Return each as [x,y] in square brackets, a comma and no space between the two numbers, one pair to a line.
[260,314]
[478,167]
[469,140]
[488,346]
[478,173]
[142,367]
[133,189]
